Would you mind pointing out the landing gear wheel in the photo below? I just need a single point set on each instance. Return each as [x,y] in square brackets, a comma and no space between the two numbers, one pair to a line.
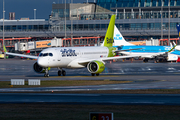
[92,74]
[46,75]
[63,72]
[97,74]
[59,73]
[145,60]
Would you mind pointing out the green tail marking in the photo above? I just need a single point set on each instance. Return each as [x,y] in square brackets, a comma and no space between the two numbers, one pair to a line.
[108,41]
[172,49]
[4,48]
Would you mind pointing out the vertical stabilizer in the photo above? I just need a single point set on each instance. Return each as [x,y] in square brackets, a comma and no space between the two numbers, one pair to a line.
[108,40]
[119,39]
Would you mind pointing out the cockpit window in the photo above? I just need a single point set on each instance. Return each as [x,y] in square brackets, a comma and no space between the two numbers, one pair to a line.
[40,54]
[45,54]
[50,54]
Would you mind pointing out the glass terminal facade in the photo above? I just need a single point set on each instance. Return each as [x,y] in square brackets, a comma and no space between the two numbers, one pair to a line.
[140,19]
[136,3]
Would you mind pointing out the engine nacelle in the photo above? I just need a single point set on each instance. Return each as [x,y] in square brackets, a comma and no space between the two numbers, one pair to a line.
[95,67]
[38,68]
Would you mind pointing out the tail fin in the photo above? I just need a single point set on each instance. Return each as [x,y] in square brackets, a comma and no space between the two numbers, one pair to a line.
[119,39]
[108,41]
[4,48]
[172,49]
[178,30]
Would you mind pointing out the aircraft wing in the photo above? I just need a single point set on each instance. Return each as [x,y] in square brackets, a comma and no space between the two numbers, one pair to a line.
[117,51]
[19,55]
[22,55]
[85,61]
[159,54]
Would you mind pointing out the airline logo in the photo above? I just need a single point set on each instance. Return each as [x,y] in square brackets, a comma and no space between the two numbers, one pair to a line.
[68,52]
[118,37]
[109,40]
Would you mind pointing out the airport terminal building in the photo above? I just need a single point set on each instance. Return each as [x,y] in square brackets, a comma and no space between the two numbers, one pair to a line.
[136,20]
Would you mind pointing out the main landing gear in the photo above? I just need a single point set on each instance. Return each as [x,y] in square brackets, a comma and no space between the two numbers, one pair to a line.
[93,74]
[61,72]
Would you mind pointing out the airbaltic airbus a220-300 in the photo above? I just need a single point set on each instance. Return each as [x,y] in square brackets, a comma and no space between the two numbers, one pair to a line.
[76,57]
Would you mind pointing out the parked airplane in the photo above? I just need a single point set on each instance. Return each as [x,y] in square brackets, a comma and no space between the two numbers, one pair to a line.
[76,57]
[147,52]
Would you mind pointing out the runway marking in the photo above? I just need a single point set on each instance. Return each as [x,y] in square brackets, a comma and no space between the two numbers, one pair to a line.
[106,79]
[163,80]
[176,73]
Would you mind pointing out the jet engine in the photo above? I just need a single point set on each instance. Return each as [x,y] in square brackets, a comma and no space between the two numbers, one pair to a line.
[38,68]
[95,67]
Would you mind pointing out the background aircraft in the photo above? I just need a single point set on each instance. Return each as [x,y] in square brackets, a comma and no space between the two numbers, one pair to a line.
[76,57]
[156,53]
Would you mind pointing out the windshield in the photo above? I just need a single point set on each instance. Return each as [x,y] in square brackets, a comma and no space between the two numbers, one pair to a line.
[45,54]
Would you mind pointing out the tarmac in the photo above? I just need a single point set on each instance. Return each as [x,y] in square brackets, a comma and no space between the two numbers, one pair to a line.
[143,76]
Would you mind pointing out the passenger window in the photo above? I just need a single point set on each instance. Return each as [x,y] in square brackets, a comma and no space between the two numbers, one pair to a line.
[50,54]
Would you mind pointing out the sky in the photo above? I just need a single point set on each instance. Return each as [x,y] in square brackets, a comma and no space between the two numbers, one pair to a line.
[25,8]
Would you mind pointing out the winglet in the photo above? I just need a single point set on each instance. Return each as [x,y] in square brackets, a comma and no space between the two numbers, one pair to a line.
[172,49]
[4,48]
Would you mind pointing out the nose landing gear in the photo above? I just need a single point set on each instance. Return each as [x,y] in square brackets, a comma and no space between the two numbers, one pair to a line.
[46,73]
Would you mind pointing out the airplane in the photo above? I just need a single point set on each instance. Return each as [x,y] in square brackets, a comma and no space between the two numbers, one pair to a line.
[92,57]
[156,53]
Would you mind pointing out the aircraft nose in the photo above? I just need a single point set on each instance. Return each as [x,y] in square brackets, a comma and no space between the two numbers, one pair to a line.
[42,62]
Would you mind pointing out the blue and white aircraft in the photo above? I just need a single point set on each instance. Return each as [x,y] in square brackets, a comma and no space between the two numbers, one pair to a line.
[146,52]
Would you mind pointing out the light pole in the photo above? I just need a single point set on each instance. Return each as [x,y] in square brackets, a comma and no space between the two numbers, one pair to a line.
[161,19]
[71,28]
[3,32]
[169,25]
[34,13]
[65,22]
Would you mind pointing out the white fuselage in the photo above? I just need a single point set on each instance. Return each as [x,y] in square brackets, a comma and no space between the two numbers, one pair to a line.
[68,57]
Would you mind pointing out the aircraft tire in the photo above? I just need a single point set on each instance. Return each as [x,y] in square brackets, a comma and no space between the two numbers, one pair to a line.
[46,75]
[92,74]
[59,73]
[97,74]
[63,72]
